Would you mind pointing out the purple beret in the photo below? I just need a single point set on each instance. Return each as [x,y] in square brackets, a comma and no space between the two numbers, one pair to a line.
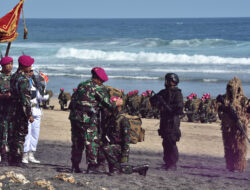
[25,60]
[100,73]
[6,60]
[62,89]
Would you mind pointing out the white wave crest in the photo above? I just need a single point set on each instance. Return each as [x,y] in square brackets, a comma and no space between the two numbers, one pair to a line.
[144,57]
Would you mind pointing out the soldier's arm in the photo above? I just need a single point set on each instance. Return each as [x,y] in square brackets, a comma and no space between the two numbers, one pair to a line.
[25,96]
[104,99]
[178,105]
[125,127]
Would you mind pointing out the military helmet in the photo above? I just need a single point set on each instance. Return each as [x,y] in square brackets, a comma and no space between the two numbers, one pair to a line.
[172,77]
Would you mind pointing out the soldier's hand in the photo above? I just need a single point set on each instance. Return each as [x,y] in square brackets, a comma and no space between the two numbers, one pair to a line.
[119,102]
[31,119]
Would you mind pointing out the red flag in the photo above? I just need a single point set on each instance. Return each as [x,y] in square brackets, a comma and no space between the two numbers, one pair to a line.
[44,76]
[9,23]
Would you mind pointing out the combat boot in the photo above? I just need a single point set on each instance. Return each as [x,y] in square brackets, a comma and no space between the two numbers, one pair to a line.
[92,169]
[101,167]
[32,158]
[114,170]
[4,160]
[142,169]
[75,168]
[25,158]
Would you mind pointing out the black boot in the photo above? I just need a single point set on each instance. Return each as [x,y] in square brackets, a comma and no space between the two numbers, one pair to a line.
[4,160]
[142,169]
[92,169]
[17,162]
[101,167]
[75,168]
[114,170]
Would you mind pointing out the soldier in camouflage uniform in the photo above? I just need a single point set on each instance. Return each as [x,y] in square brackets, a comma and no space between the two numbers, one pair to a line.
[21,96]
[203,110]
[115,144]
[5,108]
[84,118]
[62,99]
[190,108]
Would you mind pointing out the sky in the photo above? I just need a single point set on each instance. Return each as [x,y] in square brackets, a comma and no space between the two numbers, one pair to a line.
[130,8]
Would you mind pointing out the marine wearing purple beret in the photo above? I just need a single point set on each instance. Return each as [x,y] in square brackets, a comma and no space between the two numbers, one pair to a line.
[6,60]
[25,60]
[100,73]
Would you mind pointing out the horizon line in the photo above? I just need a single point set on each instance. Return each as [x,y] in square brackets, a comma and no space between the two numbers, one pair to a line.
[135,17]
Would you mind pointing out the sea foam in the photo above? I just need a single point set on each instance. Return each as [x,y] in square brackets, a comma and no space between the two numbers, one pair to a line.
[144,57]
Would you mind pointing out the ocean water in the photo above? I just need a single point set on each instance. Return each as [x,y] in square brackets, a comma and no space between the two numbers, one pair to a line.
[137,53]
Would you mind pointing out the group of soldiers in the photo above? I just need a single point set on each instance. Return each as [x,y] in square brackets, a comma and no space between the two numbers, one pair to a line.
[203,110]
[15,106]
[99,126]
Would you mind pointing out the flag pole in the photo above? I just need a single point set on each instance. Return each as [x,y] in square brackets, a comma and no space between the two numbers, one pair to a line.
[8,49]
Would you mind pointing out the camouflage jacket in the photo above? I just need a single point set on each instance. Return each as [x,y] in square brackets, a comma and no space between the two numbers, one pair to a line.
[190,106]
[5,104]
[21,94]
[118,132]
[62,98]
[89,100]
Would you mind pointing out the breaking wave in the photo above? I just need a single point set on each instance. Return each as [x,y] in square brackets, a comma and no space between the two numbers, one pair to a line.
[144,57]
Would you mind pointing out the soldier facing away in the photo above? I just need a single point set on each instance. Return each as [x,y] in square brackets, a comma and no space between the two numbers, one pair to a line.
[84,118]
[5,109]
[21,95]
[170,103]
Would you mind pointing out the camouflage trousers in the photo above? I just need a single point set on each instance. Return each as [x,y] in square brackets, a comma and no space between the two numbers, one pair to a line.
[5,132]
[113,155]
[17,138]
[84,136]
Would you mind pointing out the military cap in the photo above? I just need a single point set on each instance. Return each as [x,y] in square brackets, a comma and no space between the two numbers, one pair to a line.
[100,73]
[25,60]
[6,60]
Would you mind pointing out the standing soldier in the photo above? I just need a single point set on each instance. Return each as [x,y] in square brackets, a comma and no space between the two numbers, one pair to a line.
[170,103]
[5,108]
[21,95]
[31,139]
[84,118]
[62,98]
[234,114]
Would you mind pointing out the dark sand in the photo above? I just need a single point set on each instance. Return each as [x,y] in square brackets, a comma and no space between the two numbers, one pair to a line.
[201,163]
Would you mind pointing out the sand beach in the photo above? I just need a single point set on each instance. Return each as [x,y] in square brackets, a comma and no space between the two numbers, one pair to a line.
[201,163]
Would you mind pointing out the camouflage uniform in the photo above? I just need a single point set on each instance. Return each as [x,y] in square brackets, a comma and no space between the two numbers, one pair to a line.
[115,144]
[118,134]
[84,120]
[190,109]
[21,94]
[62,100]
[133,103]
[5,113]
[203,111]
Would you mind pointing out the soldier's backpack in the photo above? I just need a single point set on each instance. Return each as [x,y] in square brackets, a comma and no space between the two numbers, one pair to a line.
[137,133]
